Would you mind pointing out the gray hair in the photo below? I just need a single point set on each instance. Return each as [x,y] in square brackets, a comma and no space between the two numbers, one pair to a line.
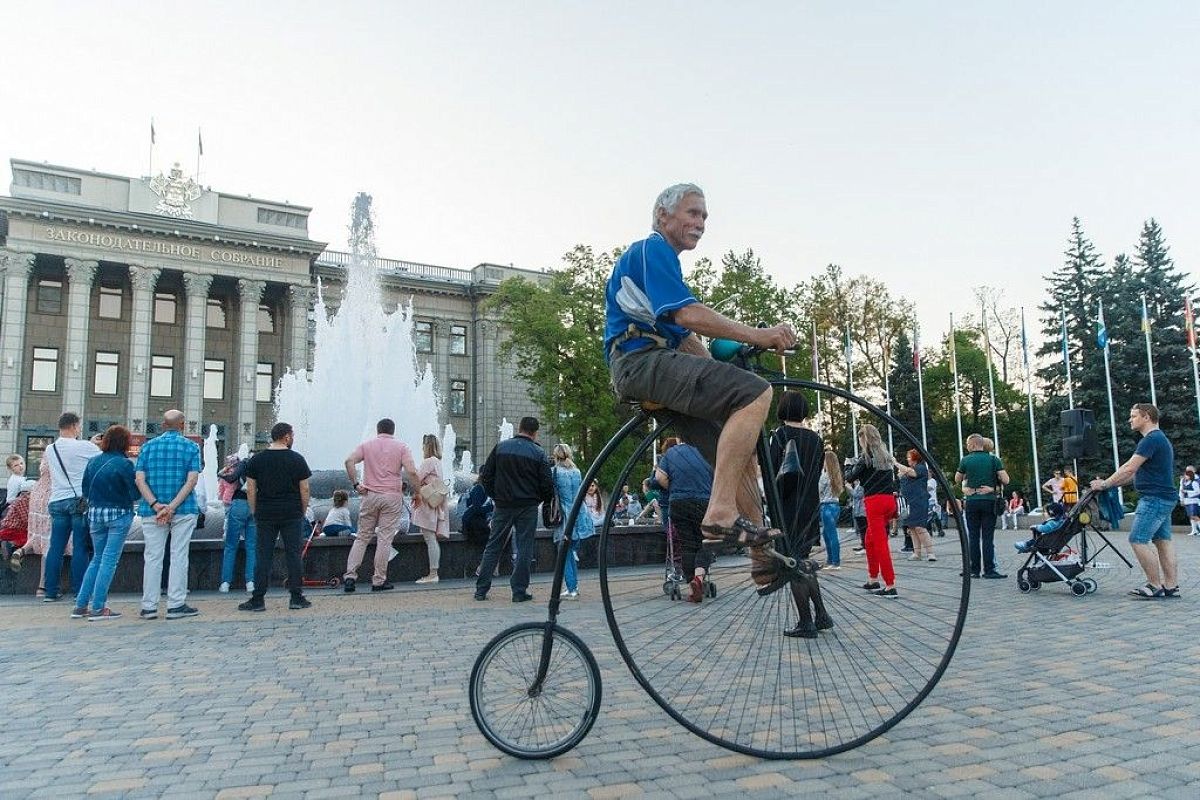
[668,200]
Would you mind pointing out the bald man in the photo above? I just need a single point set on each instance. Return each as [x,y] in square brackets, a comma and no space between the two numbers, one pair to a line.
[167,469]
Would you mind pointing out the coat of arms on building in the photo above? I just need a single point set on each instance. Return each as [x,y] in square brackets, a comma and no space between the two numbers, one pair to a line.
[175,193]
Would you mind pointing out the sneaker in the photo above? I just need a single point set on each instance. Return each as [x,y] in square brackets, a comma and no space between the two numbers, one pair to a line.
[857,549]
[148,614]
[348,585]
[299,602]
[51,598]
[995,575]
[1021,547]
[428,579]
[832,566]
[224,587]
[179,612]
[906,549]
[888,593]
[915,557]
[872,586]
[79,612]
[931,558]
[252,605]
[103,614]
[249,587]
[574,595]
[481,596]
[383,587]
[523,597]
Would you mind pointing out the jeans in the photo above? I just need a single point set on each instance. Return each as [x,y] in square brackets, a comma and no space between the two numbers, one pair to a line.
[829,532]
[268,531]
[108,541]
[66,523]
[180,528]
[571,570]
[981,534]
[523,522]
[239,523]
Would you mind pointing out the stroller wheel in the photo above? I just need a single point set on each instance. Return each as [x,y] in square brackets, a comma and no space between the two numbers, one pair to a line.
[667,586]
[1079,588]
[1034,584]
[710,589]
[1091,585]
[334,582]
[1023,585]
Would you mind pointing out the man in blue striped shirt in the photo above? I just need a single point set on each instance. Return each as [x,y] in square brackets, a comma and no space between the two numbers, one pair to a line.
[167,469]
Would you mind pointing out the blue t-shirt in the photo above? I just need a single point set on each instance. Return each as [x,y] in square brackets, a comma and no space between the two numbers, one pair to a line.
[646,287]
[690,475]
[1156,477]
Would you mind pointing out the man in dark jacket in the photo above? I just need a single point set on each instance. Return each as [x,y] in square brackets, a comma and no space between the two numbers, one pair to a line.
[517,477]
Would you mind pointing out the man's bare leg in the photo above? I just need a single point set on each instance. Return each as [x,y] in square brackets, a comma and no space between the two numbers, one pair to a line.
[1149,561]
[1166,557]
[735,450]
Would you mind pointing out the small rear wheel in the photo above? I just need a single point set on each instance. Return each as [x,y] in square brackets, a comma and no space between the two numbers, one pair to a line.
[667,587]
[1034,584]
[529,721]
[1079,588]
[1091,585]
[1023,585]
[334,582]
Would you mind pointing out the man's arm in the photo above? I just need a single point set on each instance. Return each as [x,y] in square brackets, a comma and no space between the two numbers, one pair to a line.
[706,322]
[143,488]
[1122,477]
[487,474]
[304,497]
[409,464]
[661,477]
[185,491]
[252,494]
[1003,476]
[352,461]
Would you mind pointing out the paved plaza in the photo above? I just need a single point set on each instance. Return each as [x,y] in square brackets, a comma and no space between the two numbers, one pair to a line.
[364,695]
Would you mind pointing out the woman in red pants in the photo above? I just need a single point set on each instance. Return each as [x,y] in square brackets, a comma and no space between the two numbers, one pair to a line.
[876,471]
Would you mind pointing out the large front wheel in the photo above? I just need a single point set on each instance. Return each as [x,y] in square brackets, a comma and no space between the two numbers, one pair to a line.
[522,716]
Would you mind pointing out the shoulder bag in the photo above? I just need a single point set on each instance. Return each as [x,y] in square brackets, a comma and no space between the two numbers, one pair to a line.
[81,503]
[552,512]
[434,492]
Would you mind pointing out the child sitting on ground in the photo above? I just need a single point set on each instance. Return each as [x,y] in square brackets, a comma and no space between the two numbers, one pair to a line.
[337,521]
[1057,516]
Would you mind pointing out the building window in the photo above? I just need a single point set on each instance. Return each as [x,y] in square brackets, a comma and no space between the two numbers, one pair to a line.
[49,296]
[214,379]
[264,389]
[108,367]
[266,320]
[458,340]
[45,369]
[162,375]
[164,308]
[214,315]
[109,306]
[46,182]
[458,398]
[285,219]
[423,336]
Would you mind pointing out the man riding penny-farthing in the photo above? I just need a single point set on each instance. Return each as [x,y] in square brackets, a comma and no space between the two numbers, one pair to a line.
[724,670]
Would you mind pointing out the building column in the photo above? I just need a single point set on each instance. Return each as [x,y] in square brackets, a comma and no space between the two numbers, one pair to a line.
[17,267]
[143,280]
[251,293]
[301,297]
[80,275]
[196,286]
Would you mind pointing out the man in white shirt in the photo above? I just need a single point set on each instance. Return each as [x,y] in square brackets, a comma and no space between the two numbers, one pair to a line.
[68,456]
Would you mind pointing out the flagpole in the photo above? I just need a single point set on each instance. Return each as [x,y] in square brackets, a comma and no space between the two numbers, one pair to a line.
[1102,340]
[150,167]
[850,389]
[920,382]
[957,402]
[987,346]
[200,152]
[816,373]
[1067,361]
[887,395]
[1190,323]
[1037,472]
[1149,357]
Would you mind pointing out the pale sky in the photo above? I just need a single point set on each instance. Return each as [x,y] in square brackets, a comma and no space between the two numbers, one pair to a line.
[933,145]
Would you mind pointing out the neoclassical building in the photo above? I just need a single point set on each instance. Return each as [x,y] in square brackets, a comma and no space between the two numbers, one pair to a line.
[124,297]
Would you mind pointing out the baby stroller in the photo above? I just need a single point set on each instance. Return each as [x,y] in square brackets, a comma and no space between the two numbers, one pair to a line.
[674,581]
[1052,559]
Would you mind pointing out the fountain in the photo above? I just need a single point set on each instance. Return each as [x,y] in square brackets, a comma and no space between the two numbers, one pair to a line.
[506,429]
[209,475]
[364,366]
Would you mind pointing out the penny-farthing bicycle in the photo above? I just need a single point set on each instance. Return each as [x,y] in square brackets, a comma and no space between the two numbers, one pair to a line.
[723,668]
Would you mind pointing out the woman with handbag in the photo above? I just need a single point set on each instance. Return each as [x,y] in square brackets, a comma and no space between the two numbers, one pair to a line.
[430,512]
[983,477]
[567,483]
[109,486]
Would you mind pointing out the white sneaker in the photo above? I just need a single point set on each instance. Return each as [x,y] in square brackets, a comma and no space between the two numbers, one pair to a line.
[249,587]
[428,579]
[571,595]
[224,587]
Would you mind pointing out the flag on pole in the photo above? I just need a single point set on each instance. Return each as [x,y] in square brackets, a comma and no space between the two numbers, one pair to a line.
[1145,317]
[815,365]
[954,372]
[1149,352]
[1101,329]
[917,349]
[1067,361]
[152,130]
[200,141]
[1189,323]
[1033,449]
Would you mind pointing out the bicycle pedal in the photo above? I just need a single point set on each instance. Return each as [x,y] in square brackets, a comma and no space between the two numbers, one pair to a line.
[788,561]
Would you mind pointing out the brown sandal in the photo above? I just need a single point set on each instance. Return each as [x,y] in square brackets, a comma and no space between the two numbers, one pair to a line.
[742,533]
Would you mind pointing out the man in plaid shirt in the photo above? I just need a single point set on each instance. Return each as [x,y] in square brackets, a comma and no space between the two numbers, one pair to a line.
[167,469]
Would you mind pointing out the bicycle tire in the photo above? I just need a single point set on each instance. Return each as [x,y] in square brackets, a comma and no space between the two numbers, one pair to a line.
[499,698]
[835,665]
